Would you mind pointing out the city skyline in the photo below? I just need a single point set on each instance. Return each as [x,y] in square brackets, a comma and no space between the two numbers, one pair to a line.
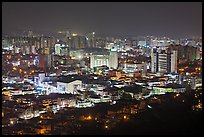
[105,18]
[101,68]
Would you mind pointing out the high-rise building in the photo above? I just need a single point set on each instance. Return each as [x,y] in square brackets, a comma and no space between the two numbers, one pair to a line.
[65,36]
[163,60]
[77,42]
[173,61]
[44,42]
[57,49]
[186,52]
[113,58]
[154,60]
[91,40]
[99,60]
[28,44]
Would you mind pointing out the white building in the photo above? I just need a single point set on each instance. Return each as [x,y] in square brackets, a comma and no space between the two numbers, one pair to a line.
[61,49]
[173,61]
[99,60]
[57,49]
[113,59]
[163,60]
[110,60]
[84,103]
[69,87]
[132,67]
[100,99]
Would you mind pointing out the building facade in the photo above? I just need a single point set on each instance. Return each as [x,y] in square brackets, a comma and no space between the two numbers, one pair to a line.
[99,60]
[113,59]
[163,60]
[69,87]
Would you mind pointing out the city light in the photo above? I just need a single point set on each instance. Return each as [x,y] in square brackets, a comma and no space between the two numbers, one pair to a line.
[74,34]
[89,117]
[11,122]
[14,68]
[120,81]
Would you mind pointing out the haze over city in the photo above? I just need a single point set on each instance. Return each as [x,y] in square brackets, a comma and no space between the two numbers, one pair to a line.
[125,19]
[105,68]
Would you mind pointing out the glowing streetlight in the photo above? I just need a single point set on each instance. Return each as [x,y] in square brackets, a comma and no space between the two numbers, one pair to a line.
[74,34]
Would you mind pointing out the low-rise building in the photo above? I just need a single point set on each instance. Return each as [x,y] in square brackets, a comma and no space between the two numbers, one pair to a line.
[69,86]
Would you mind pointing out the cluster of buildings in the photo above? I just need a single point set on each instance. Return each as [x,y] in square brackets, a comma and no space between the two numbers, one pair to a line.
[84,71]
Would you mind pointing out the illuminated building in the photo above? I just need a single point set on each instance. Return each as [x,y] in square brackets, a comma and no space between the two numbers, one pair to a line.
[70,86]
[99,60]
[27,44]
[132,67]
[113,58]
[146,50]
[58,49]
[41,77]
[104,59]
[100,99]
[64,51]
[163,60]
[61,49]
[47,42]
[84,103]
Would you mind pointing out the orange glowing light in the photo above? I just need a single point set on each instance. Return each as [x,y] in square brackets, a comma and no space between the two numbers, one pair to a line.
[14,68]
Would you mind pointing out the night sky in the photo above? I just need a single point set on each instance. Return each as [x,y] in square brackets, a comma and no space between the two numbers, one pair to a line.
[105,18]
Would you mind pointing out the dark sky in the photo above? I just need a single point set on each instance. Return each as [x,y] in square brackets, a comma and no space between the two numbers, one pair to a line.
[105,18]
